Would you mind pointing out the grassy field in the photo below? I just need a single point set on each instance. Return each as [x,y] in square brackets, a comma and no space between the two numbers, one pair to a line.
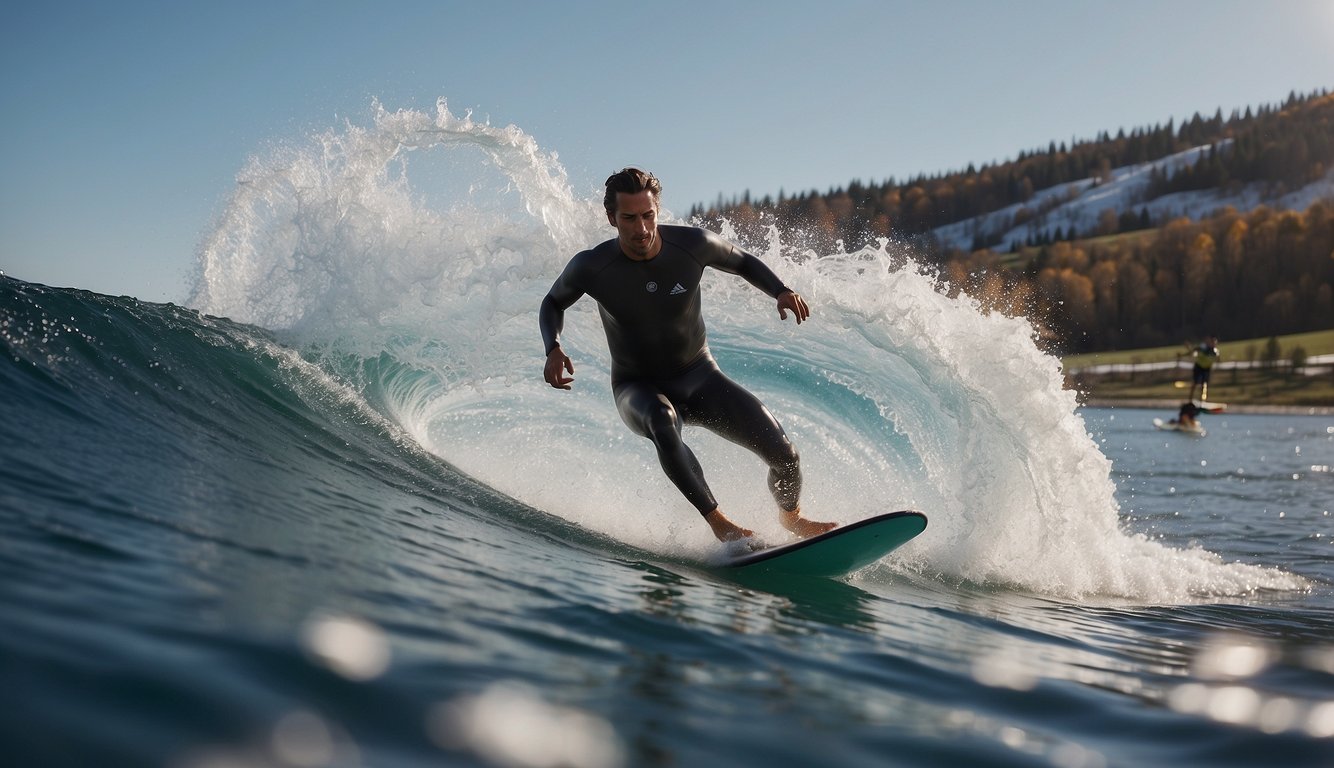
[1315,343]
[1278,385]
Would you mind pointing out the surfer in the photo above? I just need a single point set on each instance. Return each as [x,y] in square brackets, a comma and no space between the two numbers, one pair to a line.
[646,282]
[1186,415]
[1205,355]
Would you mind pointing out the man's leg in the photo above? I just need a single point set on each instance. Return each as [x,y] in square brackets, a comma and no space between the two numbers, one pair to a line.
[732,412]
[649,413]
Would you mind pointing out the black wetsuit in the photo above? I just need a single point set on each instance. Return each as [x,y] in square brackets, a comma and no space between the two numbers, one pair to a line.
[662,373]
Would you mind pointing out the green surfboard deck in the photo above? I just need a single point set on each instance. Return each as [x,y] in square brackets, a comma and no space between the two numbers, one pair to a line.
[838,552]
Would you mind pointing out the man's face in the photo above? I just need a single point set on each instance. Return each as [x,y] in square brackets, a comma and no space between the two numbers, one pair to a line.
[636,222]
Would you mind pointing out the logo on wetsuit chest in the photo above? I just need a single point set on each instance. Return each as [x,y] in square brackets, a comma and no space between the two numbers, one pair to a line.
[652,287]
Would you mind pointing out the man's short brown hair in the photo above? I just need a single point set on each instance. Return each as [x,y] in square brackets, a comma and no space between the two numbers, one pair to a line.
[629,181]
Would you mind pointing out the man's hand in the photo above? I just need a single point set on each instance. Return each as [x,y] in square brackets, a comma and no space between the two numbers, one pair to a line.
[787,300]
[557,364]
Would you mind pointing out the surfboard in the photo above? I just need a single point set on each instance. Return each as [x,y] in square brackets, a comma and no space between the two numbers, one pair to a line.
[1204,388]
[837,552]
[1209,406]
[1170,426]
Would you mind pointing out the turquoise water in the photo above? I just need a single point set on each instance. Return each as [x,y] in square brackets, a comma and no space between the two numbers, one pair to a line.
[350,526]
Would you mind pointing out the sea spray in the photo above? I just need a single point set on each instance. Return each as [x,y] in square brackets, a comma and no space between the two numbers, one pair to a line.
[331,231]
[896,395]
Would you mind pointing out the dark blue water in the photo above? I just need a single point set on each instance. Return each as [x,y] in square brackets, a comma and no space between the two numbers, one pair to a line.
[217,553]
[351,527]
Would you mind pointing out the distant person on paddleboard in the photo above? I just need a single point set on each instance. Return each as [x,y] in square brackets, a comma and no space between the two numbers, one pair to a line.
[646,282]
[1205,355]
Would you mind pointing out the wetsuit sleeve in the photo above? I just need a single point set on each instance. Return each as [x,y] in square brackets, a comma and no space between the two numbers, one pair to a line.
[551,315]
[722,255]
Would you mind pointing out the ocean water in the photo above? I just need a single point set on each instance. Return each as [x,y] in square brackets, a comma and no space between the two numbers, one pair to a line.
[327,514]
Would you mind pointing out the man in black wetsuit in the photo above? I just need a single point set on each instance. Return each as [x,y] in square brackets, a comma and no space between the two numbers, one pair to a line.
[647,286]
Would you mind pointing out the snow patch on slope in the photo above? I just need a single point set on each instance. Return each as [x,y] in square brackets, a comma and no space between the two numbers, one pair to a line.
[1080,203]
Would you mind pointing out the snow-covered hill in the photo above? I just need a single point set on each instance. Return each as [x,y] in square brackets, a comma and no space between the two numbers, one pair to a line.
[1080,204]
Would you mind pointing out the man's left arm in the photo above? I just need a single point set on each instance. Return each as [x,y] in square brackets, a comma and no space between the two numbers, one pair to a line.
[729,258]
[791,300]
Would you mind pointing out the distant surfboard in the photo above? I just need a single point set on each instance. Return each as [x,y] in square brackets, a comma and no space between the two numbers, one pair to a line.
[1172,426]
[837,552]
[1209,406]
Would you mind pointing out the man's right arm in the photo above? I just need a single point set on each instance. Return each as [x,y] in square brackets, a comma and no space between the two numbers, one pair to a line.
[551,321]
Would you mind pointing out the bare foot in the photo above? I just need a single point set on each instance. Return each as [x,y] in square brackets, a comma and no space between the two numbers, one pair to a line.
[725,529]
[793,521]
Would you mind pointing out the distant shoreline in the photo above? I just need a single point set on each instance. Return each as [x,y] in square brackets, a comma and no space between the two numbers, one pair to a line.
[1173,405]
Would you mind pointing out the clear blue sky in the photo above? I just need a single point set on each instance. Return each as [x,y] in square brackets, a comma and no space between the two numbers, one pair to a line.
[125,123]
